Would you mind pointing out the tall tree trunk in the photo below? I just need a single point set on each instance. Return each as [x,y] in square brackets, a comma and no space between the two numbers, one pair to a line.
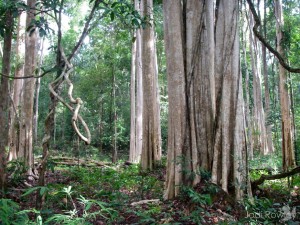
[114,118]
[288,155]
[200,82]
[191,86]
[157,121]
[294,131]
[267,89]
[267,101]
[54,129]
[4,98]
[50,119]
[37,92]
[101,110]
[247,102]
[26,129]
[133,157]
[248,152]
[14,130]
[260,136]
[173,20]
[1,50]
[229,164]
[139,90]
[276,101]
[151,150]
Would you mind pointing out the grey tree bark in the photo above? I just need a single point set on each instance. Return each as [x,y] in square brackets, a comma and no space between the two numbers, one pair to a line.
[17,84]
[4,98]
[260,135]
[151,145]
[229,162]
[114,118]
[173,27]
[267,90]
[248,117]
[37,91]
[132,152]
[27,103]
[288,155]
[189,39]
[139,90]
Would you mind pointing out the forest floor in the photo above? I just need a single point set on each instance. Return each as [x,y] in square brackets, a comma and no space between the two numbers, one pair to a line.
[121,194]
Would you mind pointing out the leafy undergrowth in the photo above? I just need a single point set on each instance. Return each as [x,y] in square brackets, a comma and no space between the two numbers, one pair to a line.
[113,195]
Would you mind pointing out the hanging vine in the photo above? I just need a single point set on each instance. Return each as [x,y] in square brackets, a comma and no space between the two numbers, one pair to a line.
[260,37]
[68,69]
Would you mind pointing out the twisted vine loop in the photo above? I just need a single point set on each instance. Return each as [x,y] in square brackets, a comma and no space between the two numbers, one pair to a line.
[67,70]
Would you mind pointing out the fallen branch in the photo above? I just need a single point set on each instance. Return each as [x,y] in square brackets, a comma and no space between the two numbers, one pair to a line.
[79,163]
[264,177]
[226,215]
[75,162]
[145,202]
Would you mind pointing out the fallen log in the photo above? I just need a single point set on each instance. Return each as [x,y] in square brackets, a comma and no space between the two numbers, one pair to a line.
[75,162]
[87,164]
[145,202]
[264,177]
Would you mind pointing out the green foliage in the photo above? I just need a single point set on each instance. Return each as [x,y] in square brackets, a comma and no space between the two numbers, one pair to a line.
[107,182]
[204,174]
[261,164]
[125,12]
[16,170]
[296,181]
[256,174]
[10,215]
[69,218]
[195,197]
[297,151]
[92,209]
[266,211]
[73,217]
[40,24]
[257,211]
[266,165]
[13,8]
[43,190]
[195,216]
[94,66]
[147,213]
